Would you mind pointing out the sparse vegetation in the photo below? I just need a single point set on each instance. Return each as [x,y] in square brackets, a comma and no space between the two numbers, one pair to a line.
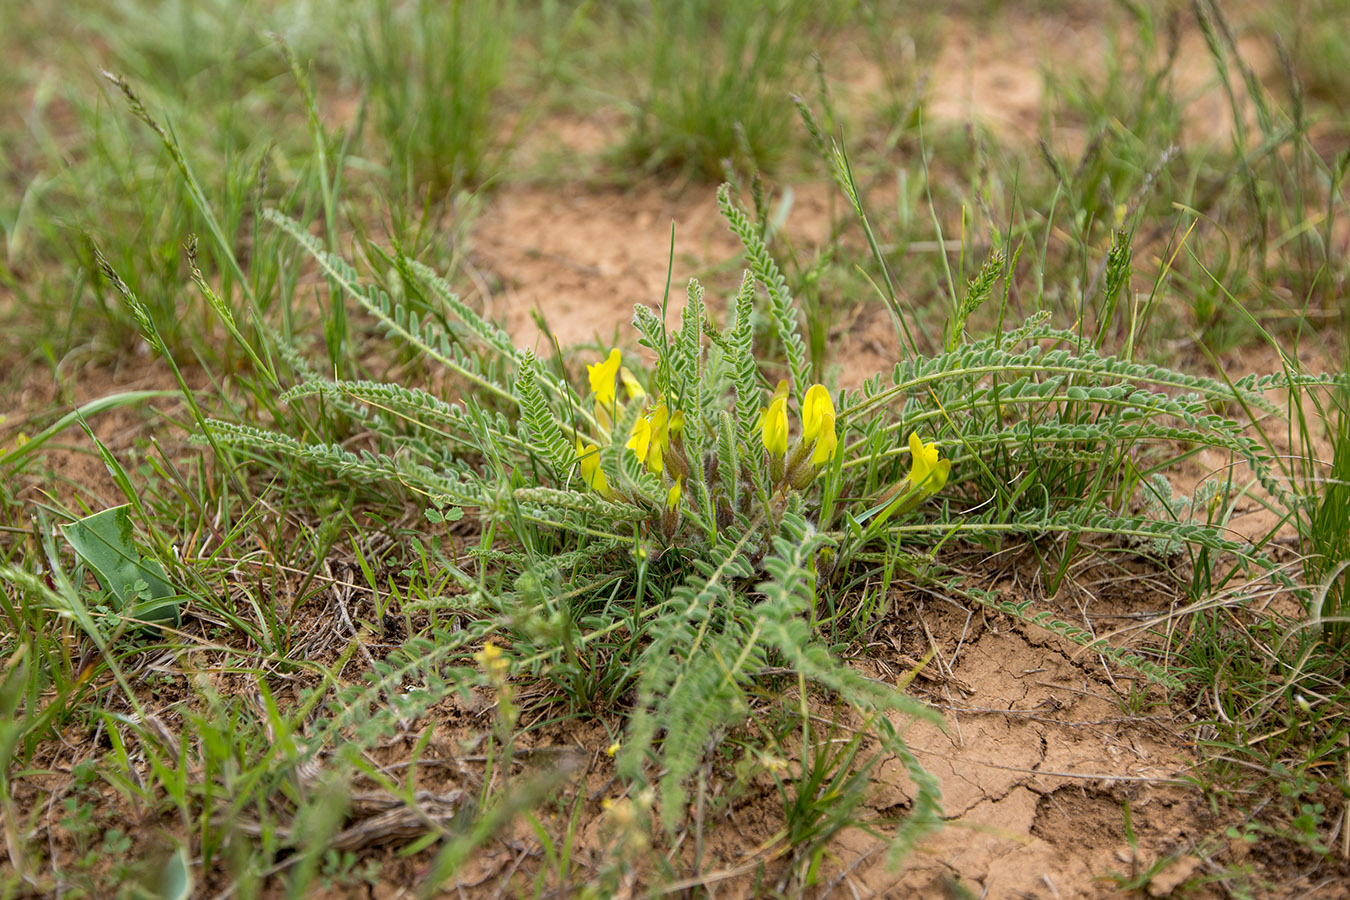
[358,589]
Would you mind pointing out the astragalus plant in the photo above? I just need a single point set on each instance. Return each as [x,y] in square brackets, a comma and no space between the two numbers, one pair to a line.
[665,535]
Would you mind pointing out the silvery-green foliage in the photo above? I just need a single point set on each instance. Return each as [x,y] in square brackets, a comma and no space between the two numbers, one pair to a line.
[1048,437]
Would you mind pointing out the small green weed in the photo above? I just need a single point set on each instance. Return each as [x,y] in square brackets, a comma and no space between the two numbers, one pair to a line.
[436,98]
[715,84]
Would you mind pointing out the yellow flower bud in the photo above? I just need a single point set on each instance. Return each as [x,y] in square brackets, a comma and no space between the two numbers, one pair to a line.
[782,390]
[674,494]
[677,424]
[774,428]
[670,516]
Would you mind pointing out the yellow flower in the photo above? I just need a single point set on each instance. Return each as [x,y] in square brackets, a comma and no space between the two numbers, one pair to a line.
[818,424]
[591,473]
[651,437]
[673,495]
[782,390]
[928,471]
[493,661]
[602,376]
[612,749]
[774,428]
[928,474]
[670,516]
[489,654]
[660,419]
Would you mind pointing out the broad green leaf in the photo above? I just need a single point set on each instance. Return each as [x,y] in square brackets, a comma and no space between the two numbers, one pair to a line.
[103,541]
[176,879]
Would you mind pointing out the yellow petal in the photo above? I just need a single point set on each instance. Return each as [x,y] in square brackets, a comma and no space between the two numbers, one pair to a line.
[939,476]
[660,419]
[918,460]
[782,390]
[818,424]
[774,432]
[641,439]
[931,460]
[602,377]
[826,442]
[930,454]
[674,494]
[817,412]
[929,470]
[632,385]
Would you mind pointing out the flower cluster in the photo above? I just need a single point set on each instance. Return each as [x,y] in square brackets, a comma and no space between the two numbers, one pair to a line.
[815,445]
[657,438]
[794,457]
[653,437]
